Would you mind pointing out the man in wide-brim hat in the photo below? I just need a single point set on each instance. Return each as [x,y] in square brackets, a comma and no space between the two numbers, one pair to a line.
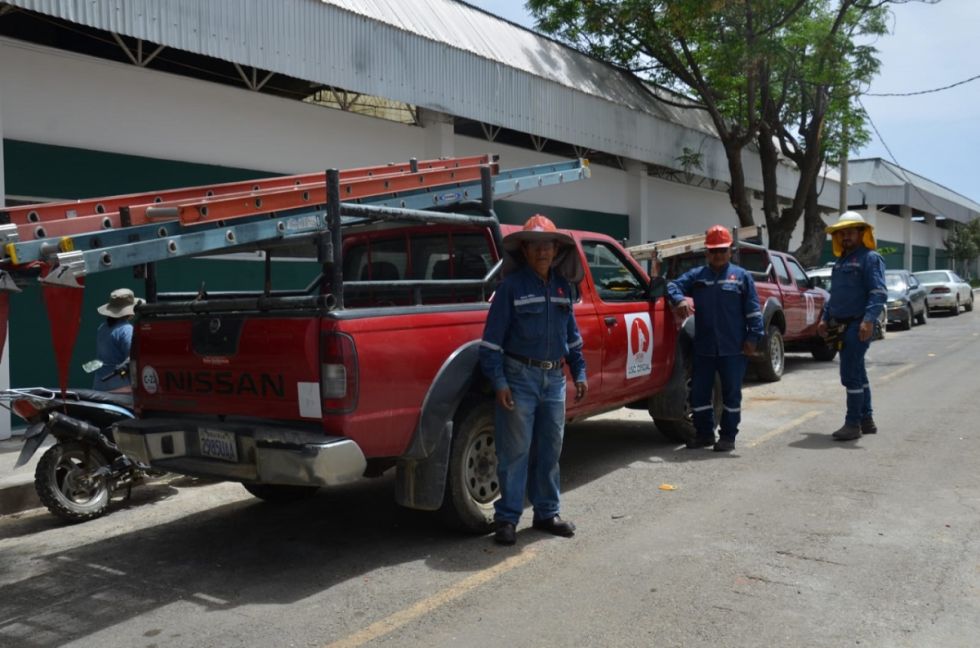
[529,336]
[857,295]
[114,339]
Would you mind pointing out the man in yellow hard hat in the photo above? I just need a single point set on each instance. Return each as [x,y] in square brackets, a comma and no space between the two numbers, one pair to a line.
[857,295]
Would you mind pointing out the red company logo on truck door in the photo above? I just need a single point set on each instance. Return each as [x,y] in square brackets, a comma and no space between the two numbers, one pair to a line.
[639,359]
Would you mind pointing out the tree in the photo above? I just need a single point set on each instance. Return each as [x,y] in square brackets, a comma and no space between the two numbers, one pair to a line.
[807,89]
[780,73]
[710,51]
[963,243]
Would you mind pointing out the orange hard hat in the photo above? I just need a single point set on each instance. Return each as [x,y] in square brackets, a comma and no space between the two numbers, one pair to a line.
[717,236]
[539,223]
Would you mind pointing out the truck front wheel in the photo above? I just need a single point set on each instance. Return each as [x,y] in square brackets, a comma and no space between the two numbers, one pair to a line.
[471,482]
[773,360]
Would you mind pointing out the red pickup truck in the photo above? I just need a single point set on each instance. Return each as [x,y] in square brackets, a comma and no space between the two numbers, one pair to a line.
[290,391]
[791,304]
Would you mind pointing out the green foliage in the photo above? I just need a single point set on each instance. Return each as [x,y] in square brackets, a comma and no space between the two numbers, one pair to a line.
[963,241]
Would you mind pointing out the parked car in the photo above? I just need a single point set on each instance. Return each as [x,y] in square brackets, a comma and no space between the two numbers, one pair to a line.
[946,290]
[820,278]
[906,299]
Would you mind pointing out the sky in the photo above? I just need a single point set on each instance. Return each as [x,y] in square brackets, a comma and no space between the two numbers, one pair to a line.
[935,135]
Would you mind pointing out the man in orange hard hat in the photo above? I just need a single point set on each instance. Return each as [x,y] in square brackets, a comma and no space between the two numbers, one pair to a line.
[726,330]
[529,336]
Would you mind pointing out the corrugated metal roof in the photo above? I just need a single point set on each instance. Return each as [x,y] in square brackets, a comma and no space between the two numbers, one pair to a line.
[439,54]
[879,181]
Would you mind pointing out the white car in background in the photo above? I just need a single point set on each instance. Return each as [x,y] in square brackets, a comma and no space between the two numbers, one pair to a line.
[945,289]
[820,278]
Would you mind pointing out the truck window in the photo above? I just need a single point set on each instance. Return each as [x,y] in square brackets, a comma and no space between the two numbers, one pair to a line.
[798,275]
[615,280]
[781,271]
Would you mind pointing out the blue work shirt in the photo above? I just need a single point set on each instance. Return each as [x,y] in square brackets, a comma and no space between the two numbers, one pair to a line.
[727,308]
[857,287]
[112,343]
[531,318]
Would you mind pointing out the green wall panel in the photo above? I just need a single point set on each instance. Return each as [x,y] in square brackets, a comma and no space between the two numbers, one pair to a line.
[612,224]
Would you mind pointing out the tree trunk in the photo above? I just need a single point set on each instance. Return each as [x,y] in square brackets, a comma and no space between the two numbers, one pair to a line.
[769,162]
[736,190]
[814,231]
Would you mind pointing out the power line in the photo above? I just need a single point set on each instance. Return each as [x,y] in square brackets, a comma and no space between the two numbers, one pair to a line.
[921,92]
[936,210]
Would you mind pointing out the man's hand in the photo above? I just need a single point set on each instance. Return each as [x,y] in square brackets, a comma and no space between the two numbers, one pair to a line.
[822,329]
[581,389]
[748,348]
[682,309]
[505,399]
[866,330]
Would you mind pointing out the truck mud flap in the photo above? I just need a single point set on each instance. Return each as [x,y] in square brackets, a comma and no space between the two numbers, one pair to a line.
[421,483]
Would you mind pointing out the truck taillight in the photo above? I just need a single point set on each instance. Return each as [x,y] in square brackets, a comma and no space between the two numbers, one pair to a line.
[338,372]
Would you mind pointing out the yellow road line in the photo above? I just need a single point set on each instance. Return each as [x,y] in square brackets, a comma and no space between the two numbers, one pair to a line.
[426,605]
[893,374]
[785,428]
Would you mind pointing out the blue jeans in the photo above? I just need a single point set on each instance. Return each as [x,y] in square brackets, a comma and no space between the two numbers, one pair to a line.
[528,440]
[731,370]
[854,376]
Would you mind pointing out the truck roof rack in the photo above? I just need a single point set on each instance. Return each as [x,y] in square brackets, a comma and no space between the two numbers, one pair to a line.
[660,250]
[62,242]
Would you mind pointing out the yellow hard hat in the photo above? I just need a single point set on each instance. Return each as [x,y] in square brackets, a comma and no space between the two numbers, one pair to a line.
[852,219]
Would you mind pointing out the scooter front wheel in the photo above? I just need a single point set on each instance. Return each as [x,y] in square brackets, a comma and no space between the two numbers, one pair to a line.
[69,483]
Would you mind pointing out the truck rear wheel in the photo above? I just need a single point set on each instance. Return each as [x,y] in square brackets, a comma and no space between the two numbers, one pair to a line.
[471,482]
[682,430]
[279,493]
[770,366]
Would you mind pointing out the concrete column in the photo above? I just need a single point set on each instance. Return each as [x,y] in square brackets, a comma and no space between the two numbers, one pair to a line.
[439,139]
[638,202]
[905,211]
[5,358]
[933,240]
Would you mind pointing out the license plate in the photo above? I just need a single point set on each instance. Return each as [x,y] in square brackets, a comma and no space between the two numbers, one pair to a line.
[218,444]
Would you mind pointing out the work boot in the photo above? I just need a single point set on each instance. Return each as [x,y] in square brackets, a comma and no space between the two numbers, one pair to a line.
[847,433]
[868,426]
[505,533]
[724,445]
[555,526]
[700,443]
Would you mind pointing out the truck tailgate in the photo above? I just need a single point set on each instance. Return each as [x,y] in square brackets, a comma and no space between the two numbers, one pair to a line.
[230,365]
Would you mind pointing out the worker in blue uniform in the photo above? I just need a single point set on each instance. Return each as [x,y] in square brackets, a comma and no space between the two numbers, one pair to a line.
[727,329]
[529,336]
[857,295]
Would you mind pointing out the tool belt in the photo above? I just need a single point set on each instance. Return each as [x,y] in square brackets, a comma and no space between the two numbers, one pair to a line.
[836,327]
[540,364]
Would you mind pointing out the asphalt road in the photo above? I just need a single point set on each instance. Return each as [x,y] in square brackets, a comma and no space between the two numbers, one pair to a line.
[794,540]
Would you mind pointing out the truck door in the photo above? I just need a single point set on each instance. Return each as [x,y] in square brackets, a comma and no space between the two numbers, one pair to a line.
[626,319]
[811,305]
[793,306]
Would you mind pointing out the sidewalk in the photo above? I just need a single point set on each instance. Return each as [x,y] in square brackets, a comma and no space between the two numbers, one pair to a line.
[17,484]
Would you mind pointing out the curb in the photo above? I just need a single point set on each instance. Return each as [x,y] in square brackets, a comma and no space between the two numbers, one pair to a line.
[17,492]
[16,498]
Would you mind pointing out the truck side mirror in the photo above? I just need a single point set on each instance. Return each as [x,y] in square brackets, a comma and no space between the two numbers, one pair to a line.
[657,288]
[811,282]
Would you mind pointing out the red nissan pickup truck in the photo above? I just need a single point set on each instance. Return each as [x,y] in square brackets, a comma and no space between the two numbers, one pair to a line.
[375,367]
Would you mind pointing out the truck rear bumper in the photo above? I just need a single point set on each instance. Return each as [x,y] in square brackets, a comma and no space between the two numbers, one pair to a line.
[268,455]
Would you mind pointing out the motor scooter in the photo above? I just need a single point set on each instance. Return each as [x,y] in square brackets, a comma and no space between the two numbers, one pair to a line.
[76,477]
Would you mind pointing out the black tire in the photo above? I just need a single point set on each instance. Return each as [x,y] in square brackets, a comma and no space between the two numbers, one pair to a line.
[922,317]
[280,493]
[956,308]
[906,323]
[64,483]
[770,367]
[968,306]
[471,480]
[682,430]
[821,352]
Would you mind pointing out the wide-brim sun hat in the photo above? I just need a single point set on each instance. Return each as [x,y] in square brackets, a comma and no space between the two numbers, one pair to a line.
[541,228]
[122,303]
[852,219]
